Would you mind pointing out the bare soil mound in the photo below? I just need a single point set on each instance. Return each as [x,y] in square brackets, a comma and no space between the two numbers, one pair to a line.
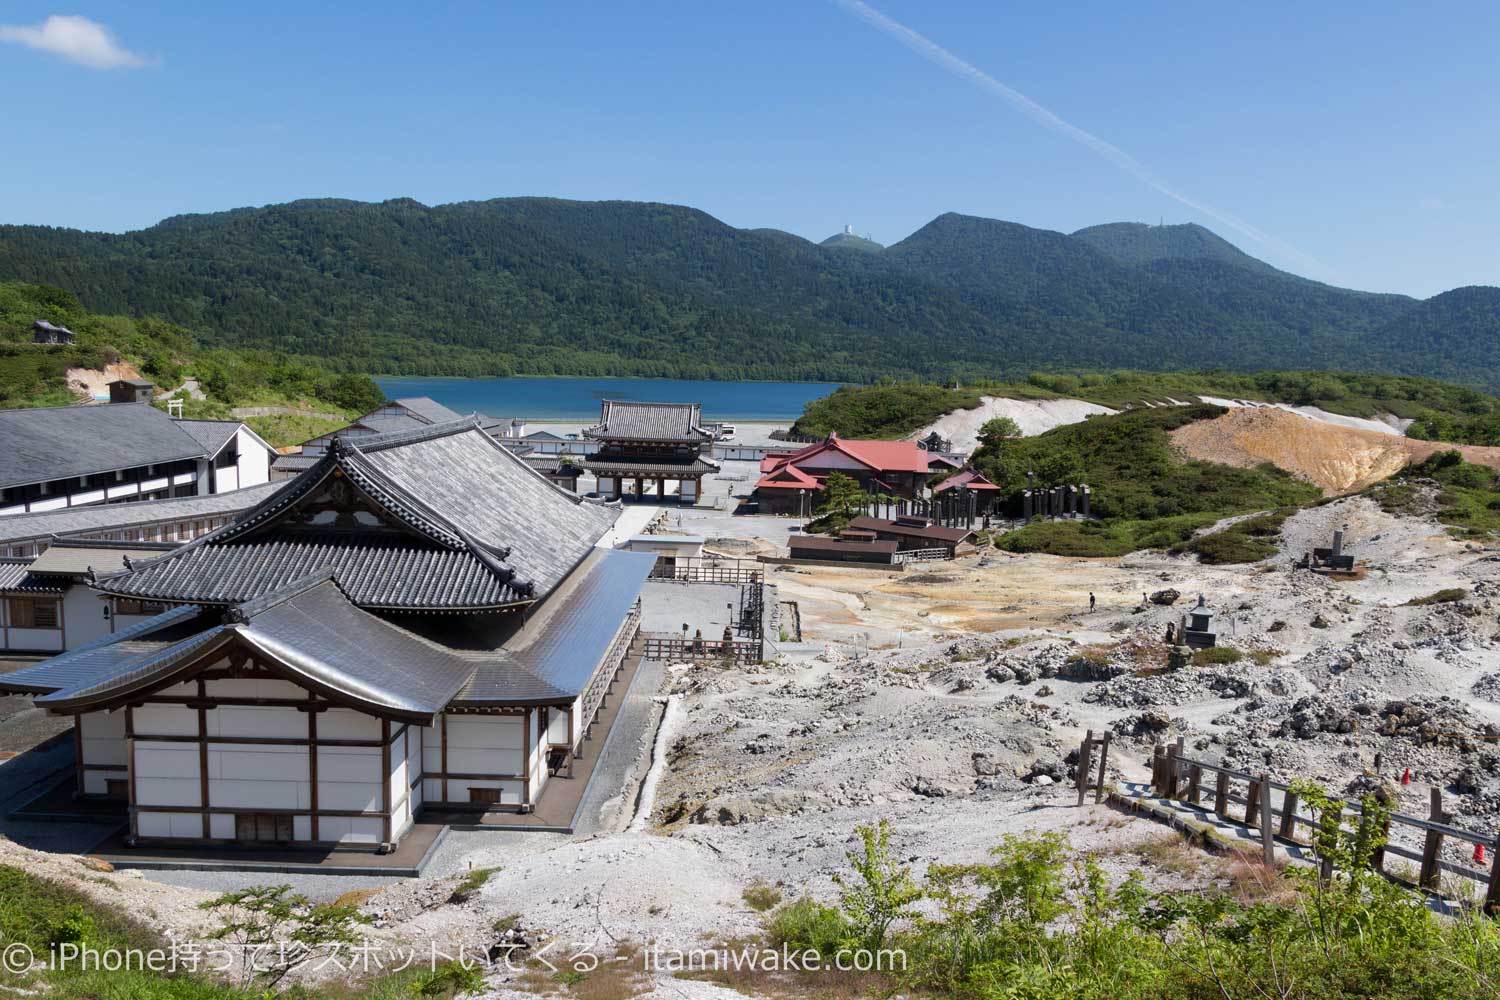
[1338,459]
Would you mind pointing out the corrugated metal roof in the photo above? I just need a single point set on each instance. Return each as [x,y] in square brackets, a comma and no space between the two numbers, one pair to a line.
[63,442]
[66,557]
[213,435]
[429,410]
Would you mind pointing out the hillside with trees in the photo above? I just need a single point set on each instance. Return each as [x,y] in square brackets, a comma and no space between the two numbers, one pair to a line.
[37,375]
[546,286]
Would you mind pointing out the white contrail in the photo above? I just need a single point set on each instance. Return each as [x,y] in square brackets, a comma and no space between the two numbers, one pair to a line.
[926,47]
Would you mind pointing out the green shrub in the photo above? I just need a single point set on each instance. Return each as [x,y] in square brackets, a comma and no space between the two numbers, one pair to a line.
[761,897]
[806,924]
[1217,655]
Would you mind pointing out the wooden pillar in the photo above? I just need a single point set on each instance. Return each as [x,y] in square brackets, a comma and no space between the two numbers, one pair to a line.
[312,773]
[443,751]
[385,784]
[1169,783]
[1252,802]
[1085,760]
[1432,845]
[1267,838]
[1103,763]
[1195,778]
[526,761]
[1492,895]
[77,753]
[130,776]
[203,755]
[1158,768]
[1289,816]
[1221,795]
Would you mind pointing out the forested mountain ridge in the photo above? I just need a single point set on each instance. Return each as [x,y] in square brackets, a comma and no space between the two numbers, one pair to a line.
[546,286]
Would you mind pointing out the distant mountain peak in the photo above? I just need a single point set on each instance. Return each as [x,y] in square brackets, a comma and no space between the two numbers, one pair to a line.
[850,240]
[1139,243]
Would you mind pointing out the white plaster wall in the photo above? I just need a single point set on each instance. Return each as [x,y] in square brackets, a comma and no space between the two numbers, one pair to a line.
[83,616]
[45,640]
[254,460]
[477,744]
[103,743]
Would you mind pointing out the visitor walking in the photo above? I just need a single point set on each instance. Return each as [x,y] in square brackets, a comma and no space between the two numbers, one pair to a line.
[1091,603]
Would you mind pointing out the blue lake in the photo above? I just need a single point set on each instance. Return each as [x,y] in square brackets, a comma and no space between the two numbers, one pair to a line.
[569,399]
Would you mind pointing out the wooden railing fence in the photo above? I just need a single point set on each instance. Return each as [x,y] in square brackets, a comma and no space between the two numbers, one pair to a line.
[671,649]
[1270,808]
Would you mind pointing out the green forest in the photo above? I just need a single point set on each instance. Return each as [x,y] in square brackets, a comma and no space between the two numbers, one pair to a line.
[544,286]
[36,375]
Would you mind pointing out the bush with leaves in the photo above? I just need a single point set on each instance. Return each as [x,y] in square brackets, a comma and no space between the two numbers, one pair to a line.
[275,931]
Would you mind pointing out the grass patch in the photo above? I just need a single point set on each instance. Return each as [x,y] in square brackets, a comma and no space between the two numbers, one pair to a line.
[1217,655]
[471,883]
[761,897]
[1249,540]
[283,429]
[1464,496]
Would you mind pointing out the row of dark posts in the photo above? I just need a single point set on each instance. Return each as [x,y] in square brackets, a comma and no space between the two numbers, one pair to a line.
[1057,501]
[952,509]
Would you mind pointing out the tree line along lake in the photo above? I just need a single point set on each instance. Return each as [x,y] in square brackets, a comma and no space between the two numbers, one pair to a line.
[577,399]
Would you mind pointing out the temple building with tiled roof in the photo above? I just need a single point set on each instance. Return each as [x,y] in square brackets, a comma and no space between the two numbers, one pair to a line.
[419,621]
[650,450]
[790,480]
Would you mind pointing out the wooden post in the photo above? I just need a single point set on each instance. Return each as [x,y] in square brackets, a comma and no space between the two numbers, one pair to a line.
[1085,760]
[1169,779]
[1492,896]
[1289,816]
[1221,795]
[1158,769]
[1432,845]
[1195,776]
[1377,857]
[1252,802]
[1103,762]
[1267,838]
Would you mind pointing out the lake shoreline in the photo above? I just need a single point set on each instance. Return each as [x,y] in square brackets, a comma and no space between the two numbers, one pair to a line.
[568,399]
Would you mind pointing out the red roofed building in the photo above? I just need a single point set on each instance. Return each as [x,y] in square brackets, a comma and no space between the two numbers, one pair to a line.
[790,479]
[986,493]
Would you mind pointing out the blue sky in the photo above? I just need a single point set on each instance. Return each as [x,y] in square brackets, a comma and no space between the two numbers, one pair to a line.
[1357,143]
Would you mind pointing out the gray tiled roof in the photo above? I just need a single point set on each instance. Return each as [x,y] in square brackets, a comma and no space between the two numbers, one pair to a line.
[105,517]
[476,529]
[429,410]
[89,663]
[13,572]
[62,442]
[309,628]
[69,557]
[648,465]
[213,435]
[294,463]
[630,421]
[554,656]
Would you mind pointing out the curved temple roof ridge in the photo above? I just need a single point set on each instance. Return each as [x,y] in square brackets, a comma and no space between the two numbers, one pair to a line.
[510,534]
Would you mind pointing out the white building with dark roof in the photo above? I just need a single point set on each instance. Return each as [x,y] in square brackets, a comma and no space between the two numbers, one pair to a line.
[72,456]
[419,621]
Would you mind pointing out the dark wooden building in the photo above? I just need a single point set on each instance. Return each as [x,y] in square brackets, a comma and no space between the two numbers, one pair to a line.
[650,449]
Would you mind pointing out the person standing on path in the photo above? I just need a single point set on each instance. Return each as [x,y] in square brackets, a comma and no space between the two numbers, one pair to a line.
[1091,602]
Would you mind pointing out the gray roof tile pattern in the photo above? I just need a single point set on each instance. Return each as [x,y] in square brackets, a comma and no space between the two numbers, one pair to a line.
[66,441]
[294,463]
[376,573]
[309,627]
[66,557]
[621,420]
[90,663]
[933,532]
[104,517]
[429,410]
[486,531]
[213,435]
[651,466]
[13,572]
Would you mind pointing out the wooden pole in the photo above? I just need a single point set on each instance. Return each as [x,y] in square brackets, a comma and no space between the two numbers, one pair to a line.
[1432,845]
[1103,762]
[1221,795]
[1252,802]
[1289,816]
[1195,776]
[1169,782]
[1085,759]
[1267,838]
[1158,768]
[1492,896]
[1328,831]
